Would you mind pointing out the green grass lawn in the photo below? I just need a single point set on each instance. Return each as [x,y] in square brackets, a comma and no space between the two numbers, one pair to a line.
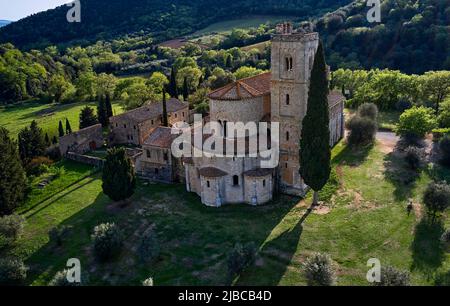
[17,116]
[367,219]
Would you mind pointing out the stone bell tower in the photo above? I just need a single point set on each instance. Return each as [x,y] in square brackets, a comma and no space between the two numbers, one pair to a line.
[292,61]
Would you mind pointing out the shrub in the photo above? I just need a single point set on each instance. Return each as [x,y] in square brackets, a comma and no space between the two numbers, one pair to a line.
[148,282]
[444,146]
[38,165]
[436,198]
[60,280]
[362,130]
[11,226]
[445,238]
[368,110]
[12,271]
[148,248]
[319,270]
[59,234]
[241,257]
[416,122]
[391,276]
[107,239]
[413,157]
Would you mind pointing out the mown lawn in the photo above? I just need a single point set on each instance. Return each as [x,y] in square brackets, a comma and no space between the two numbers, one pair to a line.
[17,116]
[367,219]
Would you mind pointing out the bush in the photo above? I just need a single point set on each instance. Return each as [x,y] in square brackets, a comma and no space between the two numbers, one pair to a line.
[413,157]
[240,258]
[319,271]
[391,276]
[11,227]
[362,131]
[38,165]
[416,122]
[107,239]
[148,248]
[444,146]
[12,271]
[148,282]
[368,110]
[60,234]
[60,280]
[436,198]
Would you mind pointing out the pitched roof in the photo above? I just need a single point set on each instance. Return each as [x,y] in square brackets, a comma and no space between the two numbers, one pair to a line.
[212,172]
[244,89]
[152,110]
[160,136]
[258,172]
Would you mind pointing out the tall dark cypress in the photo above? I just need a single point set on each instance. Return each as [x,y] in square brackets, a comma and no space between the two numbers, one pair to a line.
[13,182]
[68,127]
[173,88]
[185,89]
[165,119]
[60,129]
[108,105]
[47,140]
[102,113]
[315,152]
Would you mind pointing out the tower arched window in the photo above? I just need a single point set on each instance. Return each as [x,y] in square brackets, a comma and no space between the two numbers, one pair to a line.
[289,63]
[288,98]
[287,136]
[235,180]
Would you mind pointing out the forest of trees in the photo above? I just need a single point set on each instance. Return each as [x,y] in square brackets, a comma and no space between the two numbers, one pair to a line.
[413,36]
[108,19]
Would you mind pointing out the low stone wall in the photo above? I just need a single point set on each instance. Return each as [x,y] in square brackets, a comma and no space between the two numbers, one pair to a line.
[82,141]
[85,159]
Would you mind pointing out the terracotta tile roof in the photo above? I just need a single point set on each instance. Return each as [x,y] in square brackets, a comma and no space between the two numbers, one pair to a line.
[152,110]
[244,89]
[212,172]
[258,172]
[160,136]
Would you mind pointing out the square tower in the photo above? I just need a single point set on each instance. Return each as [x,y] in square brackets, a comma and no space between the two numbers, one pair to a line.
[292,61]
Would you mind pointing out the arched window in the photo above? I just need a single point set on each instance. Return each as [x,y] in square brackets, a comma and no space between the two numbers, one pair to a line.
[287,136]
[289,63]
[288,99]
[235,180]
[208,184]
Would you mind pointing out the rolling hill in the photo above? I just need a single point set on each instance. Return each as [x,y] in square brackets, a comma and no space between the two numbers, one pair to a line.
[164,19]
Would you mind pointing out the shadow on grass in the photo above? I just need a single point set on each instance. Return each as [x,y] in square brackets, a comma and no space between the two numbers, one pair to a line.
[352,156]
[427,251]
[397,172]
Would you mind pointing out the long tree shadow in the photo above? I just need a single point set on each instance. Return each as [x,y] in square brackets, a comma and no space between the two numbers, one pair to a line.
[427,251]
[397,172]
[352,156]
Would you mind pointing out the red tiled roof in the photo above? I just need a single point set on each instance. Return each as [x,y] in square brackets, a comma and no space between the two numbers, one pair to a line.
[160,136]
[244,89]
[153,110]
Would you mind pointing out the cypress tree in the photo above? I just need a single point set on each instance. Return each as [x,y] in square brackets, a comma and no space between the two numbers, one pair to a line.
[109,110]
[185,89]
[87,117]
[173,89]
[47,140]
[54,140]
[68,127]
[165,120]
[60,129]
[119,178]
[102,112]
[315,152]
[13,181]
[37,141]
